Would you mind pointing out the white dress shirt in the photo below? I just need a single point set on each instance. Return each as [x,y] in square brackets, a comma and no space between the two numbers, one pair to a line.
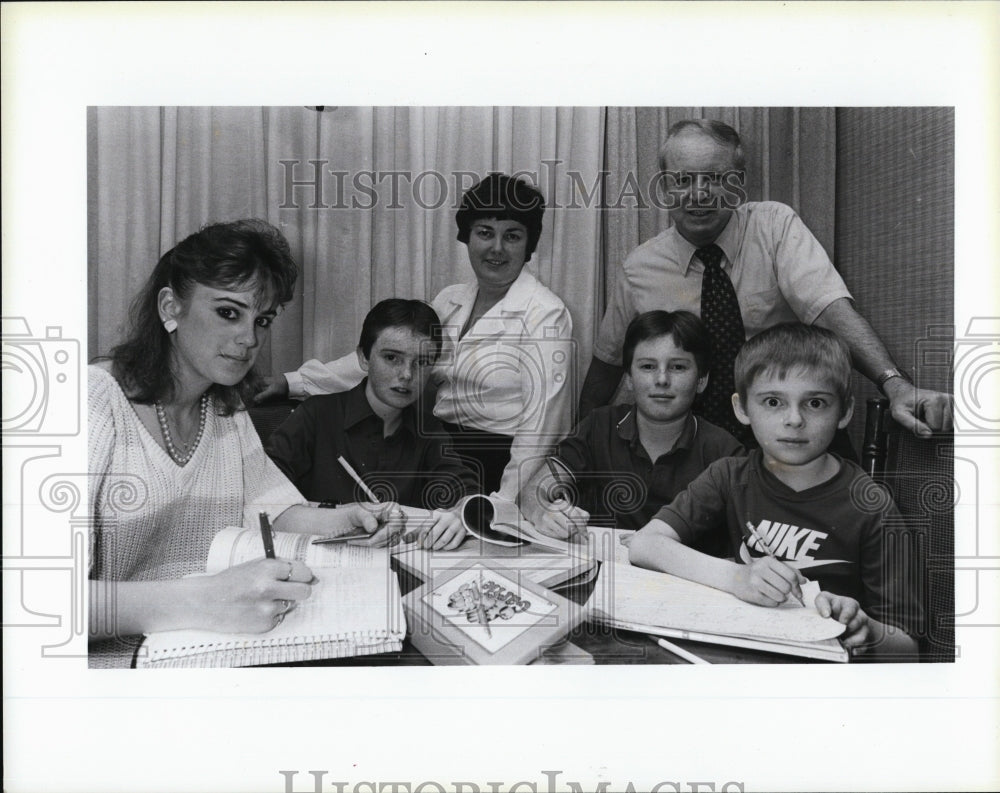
[510,374]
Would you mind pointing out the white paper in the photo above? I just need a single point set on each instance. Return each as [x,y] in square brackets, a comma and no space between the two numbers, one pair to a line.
[646,597]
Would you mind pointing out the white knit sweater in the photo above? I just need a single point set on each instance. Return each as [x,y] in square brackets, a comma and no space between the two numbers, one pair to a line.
[153,519]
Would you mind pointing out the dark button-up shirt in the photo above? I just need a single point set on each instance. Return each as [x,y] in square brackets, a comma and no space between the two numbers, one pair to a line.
[413,466]
[617,481]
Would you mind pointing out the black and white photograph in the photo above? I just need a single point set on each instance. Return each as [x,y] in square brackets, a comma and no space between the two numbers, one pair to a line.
[624,419]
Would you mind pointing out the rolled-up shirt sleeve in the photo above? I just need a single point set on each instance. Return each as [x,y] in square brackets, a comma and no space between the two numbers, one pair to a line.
[620,312]
[315,377]
[806,277]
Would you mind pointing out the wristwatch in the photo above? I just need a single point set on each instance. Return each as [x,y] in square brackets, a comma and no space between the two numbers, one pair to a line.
[888,374]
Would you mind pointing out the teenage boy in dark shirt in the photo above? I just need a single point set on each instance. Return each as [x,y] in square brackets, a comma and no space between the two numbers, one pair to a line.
[629,460]
[401,456]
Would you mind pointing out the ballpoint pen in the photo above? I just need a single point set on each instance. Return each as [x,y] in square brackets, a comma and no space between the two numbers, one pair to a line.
[266,535]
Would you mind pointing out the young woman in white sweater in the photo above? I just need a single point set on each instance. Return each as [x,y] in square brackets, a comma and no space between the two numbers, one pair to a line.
[173,455]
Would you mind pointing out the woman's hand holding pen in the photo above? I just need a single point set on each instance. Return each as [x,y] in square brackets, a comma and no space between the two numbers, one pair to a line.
[249,598]
[767,582]
[563,521]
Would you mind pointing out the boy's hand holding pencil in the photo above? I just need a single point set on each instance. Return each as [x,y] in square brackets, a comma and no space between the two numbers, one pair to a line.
[390,524]
[562,520]
[768,581]
[557,516]
[390,520]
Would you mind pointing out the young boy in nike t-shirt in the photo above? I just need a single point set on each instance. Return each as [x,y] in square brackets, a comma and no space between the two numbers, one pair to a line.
[815,511]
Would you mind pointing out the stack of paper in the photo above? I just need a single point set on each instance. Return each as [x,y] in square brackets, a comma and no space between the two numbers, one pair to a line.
[635,599]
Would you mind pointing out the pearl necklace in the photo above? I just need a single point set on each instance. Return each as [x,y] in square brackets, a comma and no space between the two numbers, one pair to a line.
[161,416]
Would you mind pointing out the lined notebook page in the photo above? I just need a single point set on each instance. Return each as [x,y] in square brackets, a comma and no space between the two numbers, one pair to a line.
[351,611]
[645,597]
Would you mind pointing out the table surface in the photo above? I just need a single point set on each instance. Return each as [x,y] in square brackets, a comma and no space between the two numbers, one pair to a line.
[603,645]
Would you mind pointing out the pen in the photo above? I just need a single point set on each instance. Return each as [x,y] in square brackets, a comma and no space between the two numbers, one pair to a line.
[680,652]
[266,536]
[354,475]
[769,552]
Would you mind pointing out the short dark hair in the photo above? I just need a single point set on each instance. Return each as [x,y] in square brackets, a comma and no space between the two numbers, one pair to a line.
[502,197]
[399,313]
[719,131]
[687,331]
[241,254]
[794,345]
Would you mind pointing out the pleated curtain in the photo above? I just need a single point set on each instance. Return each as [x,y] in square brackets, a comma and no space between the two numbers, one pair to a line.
[367,195]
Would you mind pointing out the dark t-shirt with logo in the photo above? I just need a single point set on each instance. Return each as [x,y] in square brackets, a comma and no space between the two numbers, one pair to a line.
[845,533]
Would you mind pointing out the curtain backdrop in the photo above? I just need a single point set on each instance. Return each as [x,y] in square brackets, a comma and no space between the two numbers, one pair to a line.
[367,195]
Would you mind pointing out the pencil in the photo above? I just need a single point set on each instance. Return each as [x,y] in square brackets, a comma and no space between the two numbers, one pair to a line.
[266,535]
[680,652]
[767,549]
[479,605]
[561,488]
[354,475]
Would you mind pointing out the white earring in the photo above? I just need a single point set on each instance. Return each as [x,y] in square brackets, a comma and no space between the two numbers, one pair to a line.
[170,325]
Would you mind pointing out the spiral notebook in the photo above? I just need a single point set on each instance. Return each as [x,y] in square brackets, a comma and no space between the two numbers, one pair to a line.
[353,610]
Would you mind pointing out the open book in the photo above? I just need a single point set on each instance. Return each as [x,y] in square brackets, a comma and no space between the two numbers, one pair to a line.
[355,609]
[494,520]
[543,566]
[498,523]
[635,599]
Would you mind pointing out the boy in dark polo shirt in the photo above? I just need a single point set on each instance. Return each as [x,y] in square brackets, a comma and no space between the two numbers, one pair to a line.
[375,427]
[629,460]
